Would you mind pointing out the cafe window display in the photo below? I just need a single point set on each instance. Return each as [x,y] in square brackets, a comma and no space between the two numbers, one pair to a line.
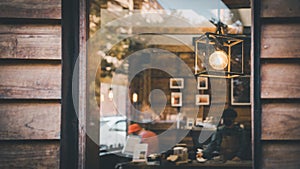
[151,75]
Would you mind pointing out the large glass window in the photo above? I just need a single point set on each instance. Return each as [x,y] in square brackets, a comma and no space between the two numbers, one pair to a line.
[173,67]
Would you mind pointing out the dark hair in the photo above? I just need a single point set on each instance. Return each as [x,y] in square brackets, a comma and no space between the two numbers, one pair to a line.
[229,112]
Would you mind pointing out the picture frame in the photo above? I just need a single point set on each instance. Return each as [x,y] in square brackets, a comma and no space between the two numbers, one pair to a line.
[176,83]
[176,99]
[202,83]
[240,90]
[202,99]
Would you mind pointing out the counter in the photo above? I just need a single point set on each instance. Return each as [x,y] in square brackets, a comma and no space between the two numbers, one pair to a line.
[191,165]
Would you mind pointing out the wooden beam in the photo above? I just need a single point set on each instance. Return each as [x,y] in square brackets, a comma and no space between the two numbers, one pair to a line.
[256,83]
[30,9]
[280,40]
[233,4]
[30,42]
[278,155]
[280,121]
[280,80]
[30,81]
[30,120]
[29,154]
[69,128]
[280,8]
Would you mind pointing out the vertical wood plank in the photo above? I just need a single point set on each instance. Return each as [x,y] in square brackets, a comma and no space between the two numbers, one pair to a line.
[70,129]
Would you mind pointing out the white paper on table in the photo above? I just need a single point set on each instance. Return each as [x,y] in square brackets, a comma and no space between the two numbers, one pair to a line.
[131,142]
[140,153]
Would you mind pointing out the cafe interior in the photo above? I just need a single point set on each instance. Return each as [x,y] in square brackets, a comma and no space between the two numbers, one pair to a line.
[174,69]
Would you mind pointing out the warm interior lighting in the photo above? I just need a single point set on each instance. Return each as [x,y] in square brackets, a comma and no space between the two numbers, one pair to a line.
[110,94]
[219,55]
[218,60]
[102,97]
[134,97]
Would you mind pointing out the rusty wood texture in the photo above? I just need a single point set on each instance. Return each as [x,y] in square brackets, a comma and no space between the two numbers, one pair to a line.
[278,155]
[280,8]
[280,40]
[280,121]
[21,121]
[30,81]
[30,42]
[280,80]
[29,155]
[38,9]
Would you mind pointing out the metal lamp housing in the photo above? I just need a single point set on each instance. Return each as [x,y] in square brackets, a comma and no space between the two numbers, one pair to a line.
[219,55]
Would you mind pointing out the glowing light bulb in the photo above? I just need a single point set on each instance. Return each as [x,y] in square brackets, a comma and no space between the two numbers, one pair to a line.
[134,97]
[110,94]
[218,60]
[102,97]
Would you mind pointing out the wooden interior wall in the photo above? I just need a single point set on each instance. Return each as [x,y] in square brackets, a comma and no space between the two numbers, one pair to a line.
[30,83]
[280,85]
[160,80]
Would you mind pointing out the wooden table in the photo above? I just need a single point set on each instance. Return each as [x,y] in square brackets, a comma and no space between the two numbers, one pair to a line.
[191,165]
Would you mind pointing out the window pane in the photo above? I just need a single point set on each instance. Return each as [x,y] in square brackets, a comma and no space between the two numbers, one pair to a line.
[159,66]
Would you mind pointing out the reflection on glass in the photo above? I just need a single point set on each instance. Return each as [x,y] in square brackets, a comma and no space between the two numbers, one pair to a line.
[125,28]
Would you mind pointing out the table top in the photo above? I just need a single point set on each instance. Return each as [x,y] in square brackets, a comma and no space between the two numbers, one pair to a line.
[192,164]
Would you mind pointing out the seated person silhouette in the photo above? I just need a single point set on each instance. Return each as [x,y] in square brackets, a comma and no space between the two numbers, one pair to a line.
[228,141]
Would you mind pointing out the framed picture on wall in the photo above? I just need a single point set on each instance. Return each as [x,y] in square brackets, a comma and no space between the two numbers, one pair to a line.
[176,83]
[202,83]
[202,99]
[240,90]
[176,99]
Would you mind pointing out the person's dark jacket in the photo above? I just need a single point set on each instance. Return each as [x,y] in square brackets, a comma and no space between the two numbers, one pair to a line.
[234,143]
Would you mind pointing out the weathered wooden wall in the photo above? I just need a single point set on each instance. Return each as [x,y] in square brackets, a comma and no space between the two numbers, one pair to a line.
[30,73]
[280,85]
[30,84]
